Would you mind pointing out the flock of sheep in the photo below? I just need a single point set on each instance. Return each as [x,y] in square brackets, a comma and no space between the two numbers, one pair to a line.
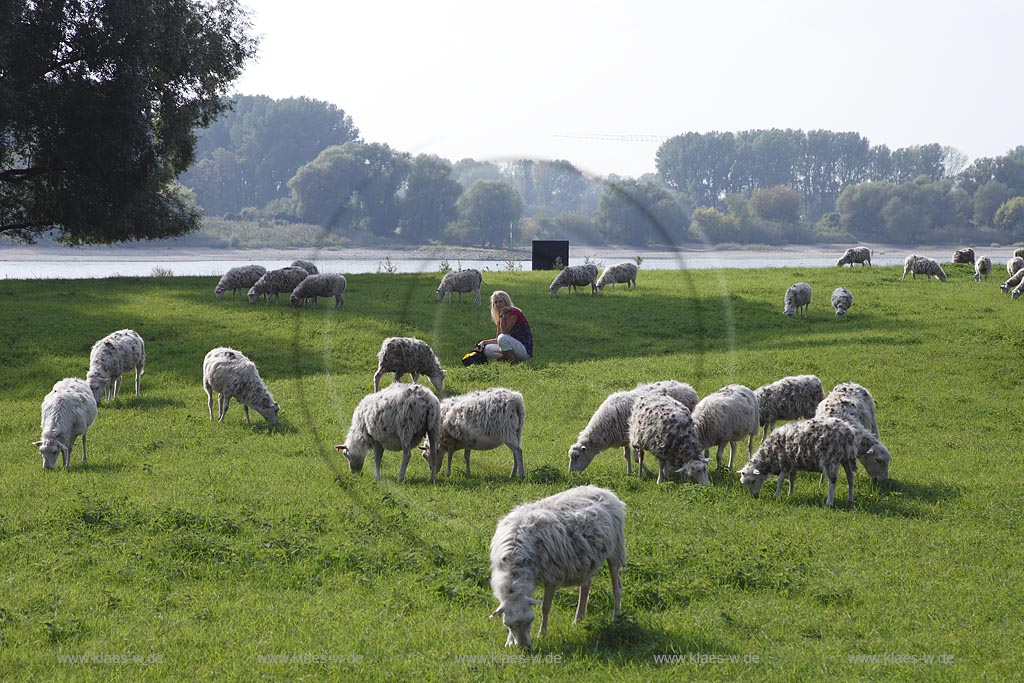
[301,280]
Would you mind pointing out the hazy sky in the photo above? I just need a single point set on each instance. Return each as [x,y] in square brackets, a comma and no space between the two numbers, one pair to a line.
[496,81]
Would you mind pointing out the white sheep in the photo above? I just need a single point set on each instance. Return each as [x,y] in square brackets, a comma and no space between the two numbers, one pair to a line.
[305,265]
[241,277]
[922,265]
[842,300]
[277,281]
[790,398]
[982,267]
[561,540]
[1013,264]
[67,412]
[798,297]
[725,417]
[483,420]
[620,272]
[395,419]
[408,354]
[232,375]
[320,284]
[1013,281]
[861,255]
[110,358]
[575,276]
[661,425]
[459,282]
[854,404]
[821,444]
[963,256]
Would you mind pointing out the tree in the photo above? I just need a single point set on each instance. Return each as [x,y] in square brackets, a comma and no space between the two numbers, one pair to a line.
[637,213]
[429,201]
[777,203]
[1010,217]
[488,208]
[987,200]
[98,102]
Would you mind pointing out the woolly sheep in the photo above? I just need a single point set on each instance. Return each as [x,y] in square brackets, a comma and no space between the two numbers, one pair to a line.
[861,255]
[408,354]
[982,267]
[663,426]
[483,420]
[790,398]
[1013,264]
[575,276]
[842,300]
[963,256]
[561,540]
[1012,282]
[277,281]
[854,404]
[1017,291]
[459,282]
[1019,252]
[821,444]
[306,266]
[242,277]
[797,297]
[395,419]
[319,284]
[620,272]
[229,373]
[922,265]
[110,358]
[67,412]
[726,416]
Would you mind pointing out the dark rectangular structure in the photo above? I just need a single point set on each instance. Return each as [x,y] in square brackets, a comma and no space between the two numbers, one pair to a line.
[545,253]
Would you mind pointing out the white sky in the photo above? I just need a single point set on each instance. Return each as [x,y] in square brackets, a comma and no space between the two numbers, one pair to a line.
[495,81]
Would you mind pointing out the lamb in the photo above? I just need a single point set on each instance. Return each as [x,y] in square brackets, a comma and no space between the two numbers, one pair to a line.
[395,419]
[842,300]
[726,416]
[922,265]
[110,358]
[67,412]
[483,420]
[982,267]
[319,284]
[306,266]
[797,297]
[663,426]
[575,276]
[854,404]
[232,375]
[561,540]
[242,277]
[861,255]
[277,281]
[1014,264]
[963,256]
[1014,280]
[408,354]
[821,444]
[790,398]
[620,272]
[460,281]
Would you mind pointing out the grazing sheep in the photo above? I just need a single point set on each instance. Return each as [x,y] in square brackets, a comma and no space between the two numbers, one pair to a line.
[821,444]
[797,297]
[854,404]
[963,256]
[1017,291]
[306,266]
[1012,282]
[110,358]
[922,265]
[842,300]
[67,412]
[319,284]
[395,419]
[861,255]
[726,416]
[790,398]
[575,276]
[661,425]
[561,540]
[1019,252]
[620,272]
[242,277]
[483,420]
[982,267]
[460,281]
[232,375]
[1014,264]
[408,354]
[277,281]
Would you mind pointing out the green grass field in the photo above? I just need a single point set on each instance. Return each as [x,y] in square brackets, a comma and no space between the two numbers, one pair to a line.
[219,551]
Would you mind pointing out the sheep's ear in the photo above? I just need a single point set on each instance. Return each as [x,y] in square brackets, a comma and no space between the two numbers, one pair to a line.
[498,612]
[37,443]
[757,472]
[705,460]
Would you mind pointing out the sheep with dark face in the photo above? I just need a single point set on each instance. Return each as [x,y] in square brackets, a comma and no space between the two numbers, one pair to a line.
[790,398]
[963,256]
[277,281]
[842,300]
[725,417]
[460,282]
[797,299]
[241,277]
[229,373]
[67,412]
[922,265]
[408,354]
[861,255]
[483,420]
[982,267]
[110,358]
[320,284]
[854,404]
[575,276]
[620,272]
[663,426]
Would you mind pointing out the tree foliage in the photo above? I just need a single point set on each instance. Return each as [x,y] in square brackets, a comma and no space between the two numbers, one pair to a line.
[637,213]
[429,201]
[487,210]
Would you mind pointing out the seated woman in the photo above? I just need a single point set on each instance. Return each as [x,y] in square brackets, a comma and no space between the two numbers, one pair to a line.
[513,341]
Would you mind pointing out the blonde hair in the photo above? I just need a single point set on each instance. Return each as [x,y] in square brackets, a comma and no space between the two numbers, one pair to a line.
[499,295]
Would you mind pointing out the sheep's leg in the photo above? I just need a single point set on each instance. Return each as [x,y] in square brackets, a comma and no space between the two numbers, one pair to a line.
[661,469]
[378,453]
[465,454]
[792,481]
[84,461]
[732,453]
[831,499]
[65,455]
[638,453]
[405,463]
[138,381]
[415,377]
[223,401]
[613,569]
[848,466]
[376,379]
[581,608]
[549,594]
[209,400]
[628,455]
[517,461]
[718,456]
[750,445]
[448,471]
[778,488]
[245,406]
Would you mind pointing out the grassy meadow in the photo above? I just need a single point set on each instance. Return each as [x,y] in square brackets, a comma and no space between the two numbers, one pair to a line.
[193,550]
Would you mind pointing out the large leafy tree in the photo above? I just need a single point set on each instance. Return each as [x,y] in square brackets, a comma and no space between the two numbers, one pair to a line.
[98,102]
[429,201]
[636,213]
[488,208]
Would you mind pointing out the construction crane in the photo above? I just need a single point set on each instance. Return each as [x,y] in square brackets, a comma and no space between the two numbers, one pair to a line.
[617,138]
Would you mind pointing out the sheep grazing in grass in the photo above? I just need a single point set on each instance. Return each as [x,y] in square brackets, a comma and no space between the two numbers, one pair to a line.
[1012,282]
[963,256]
[861,255]
[394,419]
[408,354]
[922,265]
[790,398]
[798,297]
[854,404]
[661,425]
[1013,264]
[982,267]
[842,300]
[725,417]
[575,276]
[557,541]
[305,265]
[1017,291]
[460,282]
[483,420]
[111,357]
[620,272]
[242,277]
[67,412]
[319,284]
[277,281]
[229,373]
[821,444]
